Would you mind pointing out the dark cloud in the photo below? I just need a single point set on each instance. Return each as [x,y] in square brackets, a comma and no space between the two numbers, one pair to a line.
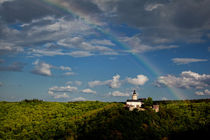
[169,21]
[161,22]
[27,10]
[16,66]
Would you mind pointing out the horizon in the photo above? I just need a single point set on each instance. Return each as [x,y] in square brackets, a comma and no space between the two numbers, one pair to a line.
[63,51]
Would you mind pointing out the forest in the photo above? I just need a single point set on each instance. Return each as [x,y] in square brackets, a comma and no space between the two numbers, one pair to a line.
[36,119]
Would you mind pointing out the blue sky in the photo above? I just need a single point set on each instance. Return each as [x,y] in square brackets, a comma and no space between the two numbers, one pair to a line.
[59,50]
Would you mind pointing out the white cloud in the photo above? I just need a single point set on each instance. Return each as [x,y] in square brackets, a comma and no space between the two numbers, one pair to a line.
[42,68]
[118,94]
[43,52]
[98,83]
[205,92]
[88,91]
[180,61]
[80,54]
[102,42]
[151,7]
[67,88]
[62,25]
[187,79]
[138,81]
[79,99]
[6,47]
[199,93]
[60,92]
[65,68]
[77,83]
[137,46]
[86,48]
[115,83]
[164,98]
[69,73]
[64,95]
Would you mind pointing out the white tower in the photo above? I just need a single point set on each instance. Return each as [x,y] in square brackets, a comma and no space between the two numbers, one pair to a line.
[134,97]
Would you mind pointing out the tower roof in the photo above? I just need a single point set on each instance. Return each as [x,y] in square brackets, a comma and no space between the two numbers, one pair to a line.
[134,92]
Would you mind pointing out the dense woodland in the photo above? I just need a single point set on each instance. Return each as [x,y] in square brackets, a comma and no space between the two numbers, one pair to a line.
[35,119]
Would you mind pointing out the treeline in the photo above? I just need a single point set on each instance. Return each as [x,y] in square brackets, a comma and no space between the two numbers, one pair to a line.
[177,101]
[104,121]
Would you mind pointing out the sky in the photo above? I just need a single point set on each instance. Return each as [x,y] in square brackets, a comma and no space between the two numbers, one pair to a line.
[78,50]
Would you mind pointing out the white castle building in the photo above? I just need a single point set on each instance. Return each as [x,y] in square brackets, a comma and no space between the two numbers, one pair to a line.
[134,102]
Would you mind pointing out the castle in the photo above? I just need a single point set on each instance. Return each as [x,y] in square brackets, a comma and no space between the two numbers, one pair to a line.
[136,103]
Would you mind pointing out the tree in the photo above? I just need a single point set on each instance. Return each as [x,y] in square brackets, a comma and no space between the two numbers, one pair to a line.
[148,102]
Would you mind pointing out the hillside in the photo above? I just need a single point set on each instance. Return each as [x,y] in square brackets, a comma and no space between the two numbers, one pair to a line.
[33,119]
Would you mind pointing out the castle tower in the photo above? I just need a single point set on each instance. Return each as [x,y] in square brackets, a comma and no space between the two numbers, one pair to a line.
[134,97]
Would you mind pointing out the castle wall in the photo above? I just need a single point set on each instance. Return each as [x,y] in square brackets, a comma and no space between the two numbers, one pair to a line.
[134,104]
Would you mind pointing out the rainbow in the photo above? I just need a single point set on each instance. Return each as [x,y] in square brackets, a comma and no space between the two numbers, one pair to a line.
[96,25]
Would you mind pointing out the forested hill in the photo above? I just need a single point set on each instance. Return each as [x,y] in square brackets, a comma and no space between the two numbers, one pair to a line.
[34,119]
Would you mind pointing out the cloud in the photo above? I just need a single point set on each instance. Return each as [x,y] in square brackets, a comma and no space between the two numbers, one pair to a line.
[86,47]
[186,80]
[138,81]
[137,46]
[60,92]
[114,83]
[205,92]
[64,68]
[77,83]
[3,1]
[67,88]
[6,48]
[151,7]
[180,61]
[88,91]
[44,52]
[164,98]
[159,21]
[79,99]
[64,95]
[98,83]
[16,66]
[103,42]
[80,54]
[36,36]
[118,94]
[42,68]
[26,10]
[69,73]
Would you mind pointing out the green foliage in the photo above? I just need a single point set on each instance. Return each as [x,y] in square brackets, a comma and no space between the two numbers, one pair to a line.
[148,102]
[36,119]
